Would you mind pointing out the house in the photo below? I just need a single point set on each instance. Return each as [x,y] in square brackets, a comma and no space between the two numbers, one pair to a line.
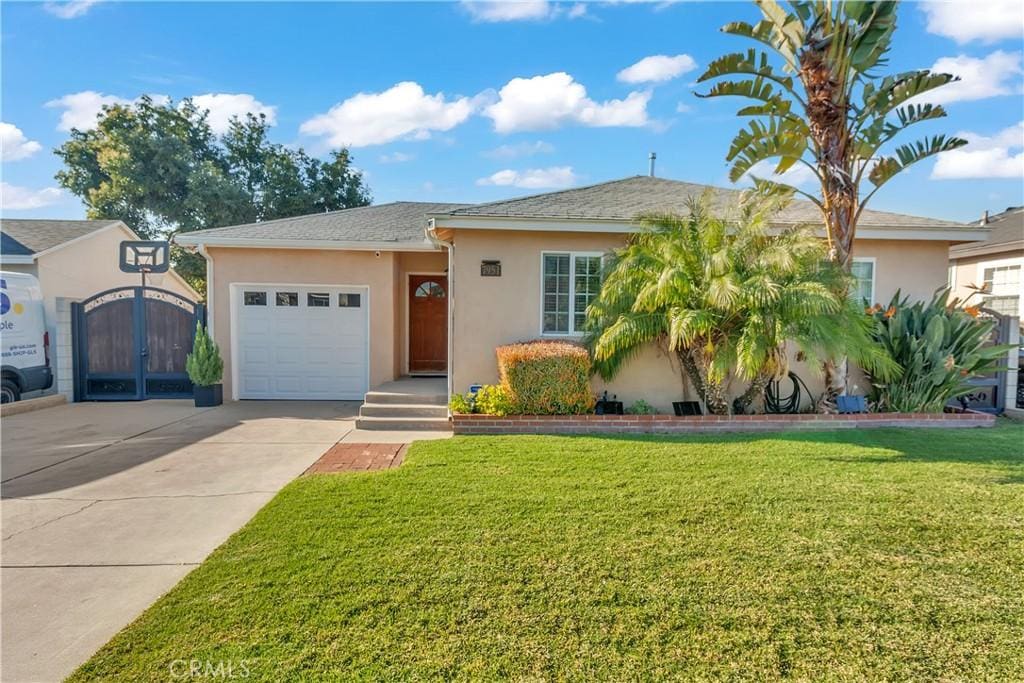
[995,264]
[331,305]
[73,260]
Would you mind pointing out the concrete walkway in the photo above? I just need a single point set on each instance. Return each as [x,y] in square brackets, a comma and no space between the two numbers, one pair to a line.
[106,506]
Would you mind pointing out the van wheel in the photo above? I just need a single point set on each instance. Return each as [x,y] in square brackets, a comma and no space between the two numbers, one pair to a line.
[9,393]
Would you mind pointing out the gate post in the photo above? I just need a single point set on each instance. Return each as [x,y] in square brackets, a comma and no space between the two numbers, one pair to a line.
[77,346]
[1012,365]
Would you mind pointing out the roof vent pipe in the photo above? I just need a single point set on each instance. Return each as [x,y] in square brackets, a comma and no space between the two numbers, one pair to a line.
[984,218]
[651,159]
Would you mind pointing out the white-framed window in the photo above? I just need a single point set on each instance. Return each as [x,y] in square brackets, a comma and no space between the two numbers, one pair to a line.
[570,280]
[863,271]
[999,278]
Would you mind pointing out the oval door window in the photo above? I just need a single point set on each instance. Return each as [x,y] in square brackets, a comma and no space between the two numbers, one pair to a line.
[431,289]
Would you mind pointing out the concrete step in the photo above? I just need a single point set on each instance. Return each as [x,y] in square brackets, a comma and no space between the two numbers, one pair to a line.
[419,424]
[409,410]
[378,397]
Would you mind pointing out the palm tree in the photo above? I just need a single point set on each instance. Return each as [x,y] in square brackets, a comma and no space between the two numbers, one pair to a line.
[725,296]
[826,108]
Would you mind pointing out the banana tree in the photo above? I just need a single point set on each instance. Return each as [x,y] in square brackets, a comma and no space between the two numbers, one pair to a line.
[826,108]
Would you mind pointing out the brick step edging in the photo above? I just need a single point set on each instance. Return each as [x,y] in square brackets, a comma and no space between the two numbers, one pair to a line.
[653,424]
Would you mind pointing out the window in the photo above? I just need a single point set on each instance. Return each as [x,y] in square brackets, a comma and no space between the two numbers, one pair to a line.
[287,298]
[863,271]
[1001,277]
[348,300]
[1003,305]
[429,289]
[318,300]
[570,282]
[254,298]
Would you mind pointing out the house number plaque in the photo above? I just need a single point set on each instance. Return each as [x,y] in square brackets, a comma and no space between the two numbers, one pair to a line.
[490,269]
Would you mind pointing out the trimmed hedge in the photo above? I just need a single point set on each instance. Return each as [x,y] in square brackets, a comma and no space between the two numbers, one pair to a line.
[546,378]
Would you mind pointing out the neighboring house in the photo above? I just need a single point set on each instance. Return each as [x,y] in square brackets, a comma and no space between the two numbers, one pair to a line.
[331,305]
[995,264]
[73,260]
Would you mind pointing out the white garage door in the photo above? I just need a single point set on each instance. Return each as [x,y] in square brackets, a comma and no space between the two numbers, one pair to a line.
[301,342]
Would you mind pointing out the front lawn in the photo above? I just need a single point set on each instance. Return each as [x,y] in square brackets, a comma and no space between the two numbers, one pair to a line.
[853,555]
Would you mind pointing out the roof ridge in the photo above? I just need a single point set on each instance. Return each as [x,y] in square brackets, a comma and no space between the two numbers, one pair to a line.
[562,191]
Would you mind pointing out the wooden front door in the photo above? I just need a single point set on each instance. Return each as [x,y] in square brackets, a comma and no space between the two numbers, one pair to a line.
[428,323]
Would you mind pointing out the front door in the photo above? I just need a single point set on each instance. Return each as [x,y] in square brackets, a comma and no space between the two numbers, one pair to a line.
[428,323]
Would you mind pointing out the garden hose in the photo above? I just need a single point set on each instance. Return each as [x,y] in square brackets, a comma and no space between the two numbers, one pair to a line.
[776,404]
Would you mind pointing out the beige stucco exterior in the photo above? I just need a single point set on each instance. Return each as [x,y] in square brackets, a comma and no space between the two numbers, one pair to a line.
[491,311]
[383,273]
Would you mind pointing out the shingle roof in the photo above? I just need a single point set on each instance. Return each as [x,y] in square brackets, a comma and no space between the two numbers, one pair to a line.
[627,198]
[28,236]
[1007,226]
[395,222]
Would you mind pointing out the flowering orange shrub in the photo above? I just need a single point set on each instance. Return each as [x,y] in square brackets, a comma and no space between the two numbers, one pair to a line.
[546,377]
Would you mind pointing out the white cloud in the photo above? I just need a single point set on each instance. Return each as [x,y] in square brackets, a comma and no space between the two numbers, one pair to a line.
[520,149]
[657,69]
[998,74]
[797,175]
[395,158]
[69,9]
[223,107]
[532,178]
[683,108]
[547,102]
[984,157]
[82,108]
[17,198]
[969,20]
[402,111]
[488,11]
[14,145]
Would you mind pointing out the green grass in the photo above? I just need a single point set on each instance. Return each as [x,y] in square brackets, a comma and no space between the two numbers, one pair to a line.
[841,556]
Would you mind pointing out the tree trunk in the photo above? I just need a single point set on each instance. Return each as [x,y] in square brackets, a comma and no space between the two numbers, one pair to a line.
[755,390]
[711,391]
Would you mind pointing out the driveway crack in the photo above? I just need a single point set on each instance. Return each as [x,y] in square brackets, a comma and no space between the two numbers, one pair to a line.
[55,519]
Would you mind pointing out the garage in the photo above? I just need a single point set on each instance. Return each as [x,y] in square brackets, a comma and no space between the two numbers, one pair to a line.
[300,342]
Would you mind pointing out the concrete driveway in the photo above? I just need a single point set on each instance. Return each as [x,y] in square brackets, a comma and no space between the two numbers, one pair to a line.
[107,505]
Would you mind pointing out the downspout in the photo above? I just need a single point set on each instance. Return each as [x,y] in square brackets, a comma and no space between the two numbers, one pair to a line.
[450,247]
[209,289]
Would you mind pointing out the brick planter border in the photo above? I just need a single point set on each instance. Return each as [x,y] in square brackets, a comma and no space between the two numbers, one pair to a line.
[670,424]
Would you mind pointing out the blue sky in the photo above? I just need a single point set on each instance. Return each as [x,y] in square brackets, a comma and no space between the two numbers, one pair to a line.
[474,102]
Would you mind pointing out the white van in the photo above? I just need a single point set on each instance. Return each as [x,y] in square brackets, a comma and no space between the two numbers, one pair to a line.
[23,337]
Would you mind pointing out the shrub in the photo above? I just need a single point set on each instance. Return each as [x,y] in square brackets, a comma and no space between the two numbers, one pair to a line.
[492,399]
[460,404]
[204,365]
[546,378]
[938,345]
[641,407]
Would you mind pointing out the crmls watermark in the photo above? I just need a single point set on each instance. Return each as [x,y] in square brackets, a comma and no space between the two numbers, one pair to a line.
[209,669]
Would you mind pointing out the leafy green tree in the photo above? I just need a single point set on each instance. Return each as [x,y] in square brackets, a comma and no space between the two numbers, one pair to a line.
[827,107]
[727,296]
[162,170]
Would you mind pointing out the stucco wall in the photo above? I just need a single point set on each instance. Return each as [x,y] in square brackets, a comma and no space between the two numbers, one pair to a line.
[382,274]
[490,311]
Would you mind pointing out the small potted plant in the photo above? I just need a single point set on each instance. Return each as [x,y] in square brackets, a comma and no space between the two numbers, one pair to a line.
[205,368]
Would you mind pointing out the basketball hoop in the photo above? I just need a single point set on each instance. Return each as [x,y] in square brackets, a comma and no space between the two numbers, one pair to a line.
[146,257]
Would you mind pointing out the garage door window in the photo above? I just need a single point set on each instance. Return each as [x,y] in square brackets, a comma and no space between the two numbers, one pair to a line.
[346,300]
[255,298]
[318,300]
[287,298]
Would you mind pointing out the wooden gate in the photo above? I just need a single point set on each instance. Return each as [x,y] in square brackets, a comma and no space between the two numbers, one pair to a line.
[130,344]
[989,392]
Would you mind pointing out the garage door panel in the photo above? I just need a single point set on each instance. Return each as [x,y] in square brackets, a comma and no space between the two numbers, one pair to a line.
[302,351]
